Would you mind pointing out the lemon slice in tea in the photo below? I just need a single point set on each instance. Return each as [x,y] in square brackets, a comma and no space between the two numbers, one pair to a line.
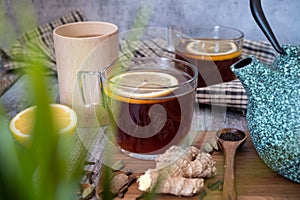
[64,118]
[211,47]
[143,84]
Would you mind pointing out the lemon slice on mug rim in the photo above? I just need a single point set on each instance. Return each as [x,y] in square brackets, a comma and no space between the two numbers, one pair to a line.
[64,118]
[211,47]
[142,84]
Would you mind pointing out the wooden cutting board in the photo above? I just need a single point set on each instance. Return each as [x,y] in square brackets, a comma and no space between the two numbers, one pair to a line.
[254,180]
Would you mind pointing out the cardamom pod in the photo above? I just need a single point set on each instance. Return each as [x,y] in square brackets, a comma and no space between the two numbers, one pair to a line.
[208,148]
[117,165]
[213,142]
[88,192]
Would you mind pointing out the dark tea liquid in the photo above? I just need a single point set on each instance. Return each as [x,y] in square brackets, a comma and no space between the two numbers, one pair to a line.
[212,69]
[178,106]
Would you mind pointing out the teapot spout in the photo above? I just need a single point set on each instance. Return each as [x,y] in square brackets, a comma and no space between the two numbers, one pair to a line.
[242,63]
[249,71]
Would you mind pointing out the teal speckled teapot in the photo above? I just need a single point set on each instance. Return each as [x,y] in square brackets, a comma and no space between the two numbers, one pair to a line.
[273,113]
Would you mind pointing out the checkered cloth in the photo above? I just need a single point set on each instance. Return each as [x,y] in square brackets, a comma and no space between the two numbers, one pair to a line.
[230,94]
[40,42]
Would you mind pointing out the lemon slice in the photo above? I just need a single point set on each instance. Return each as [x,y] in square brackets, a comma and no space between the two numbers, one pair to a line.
[65,120]
[211,47]
[143,84]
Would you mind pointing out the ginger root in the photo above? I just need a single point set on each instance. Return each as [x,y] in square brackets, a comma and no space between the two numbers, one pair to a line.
[179,172]
[162,182]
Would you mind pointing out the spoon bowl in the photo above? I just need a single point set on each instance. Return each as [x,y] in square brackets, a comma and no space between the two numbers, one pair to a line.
[230,140]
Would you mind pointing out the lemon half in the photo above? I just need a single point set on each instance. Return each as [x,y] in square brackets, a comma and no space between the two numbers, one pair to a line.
[21,126]
[143,84]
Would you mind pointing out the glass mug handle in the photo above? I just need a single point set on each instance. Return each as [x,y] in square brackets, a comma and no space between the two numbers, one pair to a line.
[90,87]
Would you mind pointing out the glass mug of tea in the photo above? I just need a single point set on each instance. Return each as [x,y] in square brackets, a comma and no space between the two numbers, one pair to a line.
[150,103]
[212,49]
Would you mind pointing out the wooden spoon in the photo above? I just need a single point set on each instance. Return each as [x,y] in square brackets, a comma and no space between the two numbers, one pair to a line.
[229,140]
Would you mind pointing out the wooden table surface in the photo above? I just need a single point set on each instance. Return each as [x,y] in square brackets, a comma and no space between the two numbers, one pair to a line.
[254,180]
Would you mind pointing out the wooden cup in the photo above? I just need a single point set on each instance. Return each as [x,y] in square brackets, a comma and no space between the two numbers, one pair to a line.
[83,46]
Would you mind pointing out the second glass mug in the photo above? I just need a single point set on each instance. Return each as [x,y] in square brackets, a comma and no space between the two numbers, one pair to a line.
[212,49]
[150,103]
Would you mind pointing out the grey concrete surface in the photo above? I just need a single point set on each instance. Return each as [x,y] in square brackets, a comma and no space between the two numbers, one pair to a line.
[283,15]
